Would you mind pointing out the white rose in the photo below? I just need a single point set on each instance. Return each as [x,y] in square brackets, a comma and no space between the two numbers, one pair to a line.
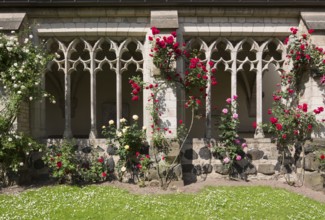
[13,77]
[19,92]
[15,85]
[9,48]
[123,169]
[15,64]
[144,128]
[29,144]
[30,98]
[36,83]
[10,139]
[53,101]
[124,130]
[45,95]
[26,40]
[135,117]
[1,45]
[126,147]
[30,36]
[40,150]
[122,120]
[21,164]
[111,122]
[103,127]
[119,134]
[12,32]
[27,153]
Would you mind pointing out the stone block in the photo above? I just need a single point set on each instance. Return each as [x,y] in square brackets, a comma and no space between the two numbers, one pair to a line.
[267,169]
[314,181]
[164,19]
[205,153]
[207,168]
[255,154]
[311,162]
[221,169]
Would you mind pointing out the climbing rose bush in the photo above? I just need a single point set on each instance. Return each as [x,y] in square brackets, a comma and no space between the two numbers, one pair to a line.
[304,55]
[22,66]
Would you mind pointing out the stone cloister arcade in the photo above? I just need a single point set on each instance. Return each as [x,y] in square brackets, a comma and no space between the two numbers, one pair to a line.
[89,79]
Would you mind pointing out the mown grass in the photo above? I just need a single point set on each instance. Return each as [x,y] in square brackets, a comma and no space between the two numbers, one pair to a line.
[104,202]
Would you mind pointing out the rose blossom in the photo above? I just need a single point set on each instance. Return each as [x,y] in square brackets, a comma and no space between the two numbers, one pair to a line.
[235,116]
[225,111]
[135,117]
[111,122]
[243,145]
[238,157]
[228,100]
[226,160]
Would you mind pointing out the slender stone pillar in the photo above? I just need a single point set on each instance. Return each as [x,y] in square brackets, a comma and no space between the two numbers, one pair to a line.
[259,101]
[234,75]
[93,101]
[118,92]
[208,100]
[67,98]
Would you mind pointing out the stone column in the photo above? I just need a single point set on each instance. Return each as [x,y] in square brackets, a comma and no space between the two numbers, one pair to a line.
[167,21]
[118,92]
[67,98]
[208,100]
[234,74]
[259,101]
[93,102]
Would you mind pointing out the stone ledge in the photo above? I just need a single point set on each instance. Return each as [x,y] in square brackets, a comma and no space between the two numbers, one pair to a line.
[164,19]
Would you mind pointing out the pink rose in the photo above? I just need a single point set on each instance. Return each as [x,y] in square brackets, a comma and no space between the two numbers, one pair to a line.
[228,100]
[235,116]
[238,157]
[225,111]
[226,160]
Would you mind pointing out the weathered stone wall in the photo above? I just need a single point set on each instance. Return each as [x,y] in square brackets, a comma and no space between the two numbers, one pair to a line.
[23,124]
[264,161]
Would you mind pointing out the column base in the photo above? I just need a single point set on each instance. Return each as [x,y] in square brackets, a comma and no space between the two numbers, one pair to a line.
[93,134]
[67,134]
[259,133]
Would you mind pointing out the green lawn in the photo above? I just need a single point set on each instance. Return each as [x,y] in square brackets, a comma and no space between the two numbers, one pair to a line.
[103,202]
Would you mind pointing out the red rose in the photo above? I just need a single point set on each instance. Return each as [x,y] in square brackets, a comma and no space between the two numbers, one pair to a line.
[147,156]
[155,31]
[320,109]
[174,33]
[198,101]
[273,120]
[180,121]
[104,174]
[269,111]
[310,31]
[139,166]
[135,98]
[100,160]
[254,124]
[278,127]
[284,136]
[322,157]
[59,164]
[305,107]
[137,154]
[310,127]
[150,38]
